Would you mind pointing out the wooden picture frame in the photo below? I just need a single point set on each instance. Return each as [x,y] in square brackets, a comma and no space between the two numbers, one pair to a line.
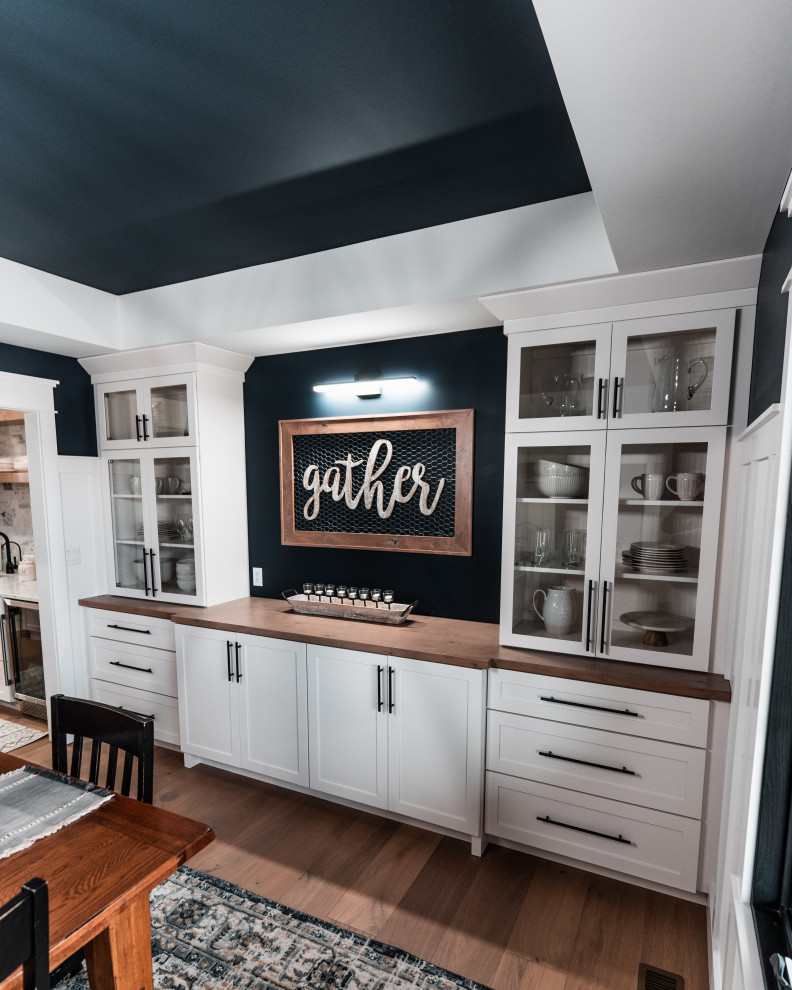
[394,482]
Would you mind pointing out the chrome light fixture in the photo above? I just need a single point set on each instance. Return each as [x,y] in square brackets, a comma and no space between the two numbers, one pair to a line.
[363,389]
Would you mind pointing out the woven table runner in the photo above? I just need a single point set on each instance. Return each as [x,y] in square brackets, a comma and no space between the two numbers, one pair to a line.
[35,802]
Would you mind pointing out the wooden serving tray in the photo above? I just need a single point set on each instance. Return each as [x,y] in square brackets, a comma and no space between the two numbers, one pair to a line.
[390,615]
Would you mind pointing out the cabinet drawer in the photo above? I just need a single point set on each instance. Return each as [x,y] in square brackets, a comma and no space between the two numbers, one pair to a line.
[120,663]
[649,844]
[165,710]
[600,706]
[125,627]
[653,774]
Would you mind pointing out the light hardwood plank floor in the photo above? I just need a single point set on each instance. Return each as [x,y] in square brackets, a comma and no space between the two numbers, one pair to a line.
[508,920]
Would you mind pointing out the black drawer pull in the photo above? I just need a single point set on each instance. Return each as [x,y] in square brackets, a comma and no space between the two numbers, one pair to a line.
[143,632]
[586,763]
[588,831]
[594,708]
[143,670]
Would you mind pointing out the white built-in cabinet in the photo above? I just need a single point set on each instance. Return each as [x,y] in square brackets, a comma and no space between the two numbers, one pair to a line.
[242,702]
[592,411]
[170,427]
[392,733]
[398,733]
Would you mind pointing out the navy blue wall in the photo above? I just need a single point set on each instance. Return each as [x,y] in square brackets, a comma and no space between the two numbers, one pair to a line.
[459,371]
[771,316]
[75,423]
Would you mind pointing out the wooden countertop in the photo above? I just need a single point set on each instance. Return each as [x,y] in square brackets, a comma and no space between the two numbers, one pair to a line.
[453,641]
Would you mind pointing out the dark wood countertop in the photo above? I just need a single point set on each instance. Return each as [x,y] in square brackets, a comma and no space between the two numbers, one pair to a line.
[453,641]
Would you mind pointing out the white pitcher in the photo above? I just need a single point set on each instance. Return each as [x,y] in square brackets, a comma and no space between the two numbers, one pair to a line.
[559,612]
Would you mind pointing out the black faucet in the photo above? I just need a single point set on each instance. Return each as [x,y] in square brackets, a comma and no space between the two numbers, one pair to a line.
[10,565]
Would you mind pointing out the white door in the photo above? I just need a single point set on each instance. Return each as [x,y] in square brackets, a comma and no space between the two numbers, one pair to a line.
[436,742]
[348,724]
[552,519]
[119,413]
[208,694]
[672,370]
[558,379]
[659,553]
[273,711]
[176,527]
[169,418]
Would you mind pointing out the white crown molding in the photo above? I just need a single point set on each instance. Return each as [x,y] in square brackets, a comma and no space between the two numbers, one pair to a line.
[713,285]
[169,359]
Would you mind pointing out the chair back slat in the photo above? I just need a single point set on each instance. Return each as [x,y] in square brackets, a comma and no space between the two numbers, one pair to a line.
[24,936]
[119,728]
[96,756]
[76,760]
[112,763]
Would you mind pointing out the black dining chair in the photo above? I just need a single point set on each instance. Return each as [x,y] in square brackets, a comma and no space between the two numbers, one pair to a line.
[118,728]
[24,935]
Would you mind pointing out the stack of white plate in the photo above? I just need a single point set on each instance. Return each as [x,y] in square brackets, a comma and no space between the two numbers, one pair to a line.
[167,533]
[656,558]
[6,463]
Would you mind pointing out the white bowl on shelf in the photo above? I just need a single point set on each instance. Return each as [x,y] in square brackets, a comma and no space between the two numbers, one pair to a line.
[554,469]
[574,486]
[185,583]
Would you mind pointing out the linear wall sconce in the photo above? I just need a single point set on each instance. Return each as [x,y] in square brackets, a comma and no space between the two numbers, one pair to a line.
[364,389]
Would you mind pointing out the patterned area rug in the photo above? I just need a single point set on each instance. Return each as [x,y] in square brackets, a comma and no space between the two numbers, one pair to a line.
[208,934]
[14,734]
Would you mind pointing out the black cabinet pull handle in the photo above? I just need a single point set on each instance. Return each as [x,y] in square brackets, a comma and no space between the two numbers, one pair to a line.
[589,604]
[3,621]
[154,588]
[145,428]
[391,702]
[585,763]
[594,708]
[379,687]
[237,648]
[604,615]
[600,398]
[137,428]
[115,625]
[228,659]
[145,572]
[129,666]
[588,831]
[618,391]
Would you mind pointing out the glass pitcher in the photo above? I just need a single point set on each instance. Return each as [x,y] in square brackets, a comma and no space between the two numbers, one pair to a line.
[673,385]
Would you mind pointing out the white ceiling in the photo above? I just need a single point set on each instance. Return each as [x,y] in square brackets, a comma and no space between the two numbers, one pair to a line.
[683,115]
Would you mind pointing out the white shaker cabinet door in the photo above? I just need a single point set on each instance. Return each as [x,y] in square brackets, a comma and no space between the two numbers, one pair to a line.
[273,711]
[435,742]
[348,724]
[208,695]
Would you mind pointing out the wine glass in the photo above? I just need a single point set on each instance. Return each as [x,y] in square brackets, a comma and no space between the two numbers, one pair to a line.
[543,547]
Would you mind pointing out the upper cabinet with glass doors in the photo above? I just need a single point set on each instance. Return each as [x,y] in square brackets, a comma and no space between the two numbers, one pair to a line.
[149,412]
[655,371]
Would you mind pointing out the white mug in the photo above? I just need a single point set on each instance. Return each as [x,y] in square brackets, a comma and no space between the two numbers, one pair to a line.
[651,486]
[687,485]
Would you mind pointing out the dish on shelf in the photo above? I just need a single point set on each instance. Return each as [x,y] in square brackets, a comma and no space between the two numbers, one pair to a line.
[562,486]
[556,469]
[656,558]
[656,625]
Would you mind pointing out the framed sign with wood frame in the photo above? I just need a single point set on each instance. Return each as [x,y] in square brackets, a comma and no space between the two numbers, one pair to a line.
[395,482]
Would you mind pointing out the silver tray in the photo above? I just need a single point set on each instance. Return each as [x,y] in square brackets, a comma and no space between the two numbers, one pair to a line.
[390,615]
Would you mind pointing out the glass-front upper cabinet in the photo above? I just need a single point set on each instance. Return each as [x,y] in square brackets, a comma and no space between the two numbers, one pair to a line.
[656,371]
[610,543]
[551,540]
[158,412]
[558,379]
[156,528]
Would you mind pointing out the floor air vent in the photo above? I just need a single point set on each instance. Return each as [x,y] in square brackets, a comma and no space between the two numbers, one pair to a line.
[652,978]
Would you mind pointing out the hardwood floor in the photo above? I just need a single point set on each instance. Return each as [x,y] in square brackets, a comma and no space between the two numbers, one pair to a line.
[508,920]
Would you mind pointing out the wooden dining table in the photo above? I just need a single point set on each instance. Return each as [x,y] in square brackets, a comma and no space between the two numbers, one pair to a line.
[100,870]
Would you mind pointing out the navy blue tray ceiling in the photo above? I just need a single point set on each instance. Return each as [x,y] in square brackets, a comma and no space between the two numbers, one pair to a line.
[146,142]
